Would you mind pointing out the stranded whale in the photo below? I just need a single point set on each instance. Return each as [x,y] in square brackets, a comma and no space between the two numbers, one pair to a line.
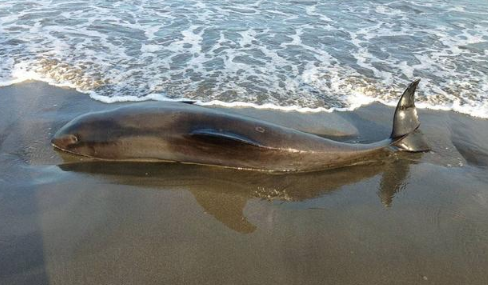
[188,133]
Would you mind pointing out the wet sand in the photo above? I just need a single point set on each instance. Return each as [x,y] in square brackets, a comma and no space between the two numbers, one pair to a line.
[408,219]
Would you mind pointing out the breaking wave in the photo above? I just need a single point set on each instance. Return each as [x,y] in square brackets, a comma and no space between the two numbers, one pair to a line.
[291,55]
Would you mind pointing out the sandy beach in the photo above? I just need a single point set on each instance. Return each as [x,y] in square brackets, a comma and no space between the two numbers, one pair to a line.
[408,219]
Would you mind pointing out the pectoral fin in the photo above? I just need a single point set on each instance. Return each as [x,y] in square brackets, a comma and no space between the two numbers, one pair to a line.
[223,137]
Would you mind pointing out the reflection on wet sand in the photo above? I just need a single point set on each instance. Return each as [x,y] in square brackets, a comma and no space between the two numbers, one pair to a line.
[224,193]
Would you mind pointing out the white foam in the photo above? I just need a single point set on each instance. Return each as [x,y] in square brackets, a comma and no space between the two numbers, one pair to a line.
[247,37]
[305,56]
[151,31]
[150,48]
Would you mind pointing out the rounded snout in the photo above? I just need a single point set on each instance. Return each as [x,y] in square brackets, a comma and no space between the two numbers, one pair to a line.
[64,141]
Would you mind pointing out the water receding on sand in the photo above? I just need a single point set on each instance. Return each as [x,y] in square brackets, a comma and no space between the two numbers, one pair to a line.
[304,55]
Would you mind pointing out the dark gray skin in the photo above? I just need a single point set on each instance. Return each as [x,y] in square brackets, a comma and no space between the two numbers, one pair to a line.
[193,134]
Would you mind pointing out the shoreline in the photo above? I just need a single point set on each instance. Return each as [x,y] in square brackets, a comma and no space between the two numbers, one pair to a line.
[364,101]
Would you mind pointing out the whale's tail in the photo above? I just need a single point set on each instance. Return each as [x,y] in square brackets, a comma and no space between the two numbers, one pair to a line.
[406,134]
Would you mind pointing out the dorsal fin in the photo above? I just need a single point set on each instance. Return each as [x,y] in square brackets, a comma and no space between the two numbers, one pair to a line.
[223,137]
[405,131]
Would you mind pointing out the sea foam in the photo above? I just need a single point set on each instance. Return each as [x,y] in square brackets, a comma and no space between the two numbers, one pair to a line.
[288,55]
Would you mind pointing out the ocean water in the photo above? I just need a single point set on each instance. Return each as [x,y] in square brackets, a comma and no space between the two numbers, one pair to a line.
[290,54]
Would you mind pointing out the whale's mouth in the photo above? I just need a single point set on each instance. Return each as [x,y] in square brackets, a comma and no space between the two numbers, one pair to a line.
[72,153]
[67,143]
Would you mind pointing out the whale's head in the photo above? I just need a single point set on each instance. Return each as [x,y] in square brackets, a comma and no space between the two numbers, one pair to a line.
[90,135]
